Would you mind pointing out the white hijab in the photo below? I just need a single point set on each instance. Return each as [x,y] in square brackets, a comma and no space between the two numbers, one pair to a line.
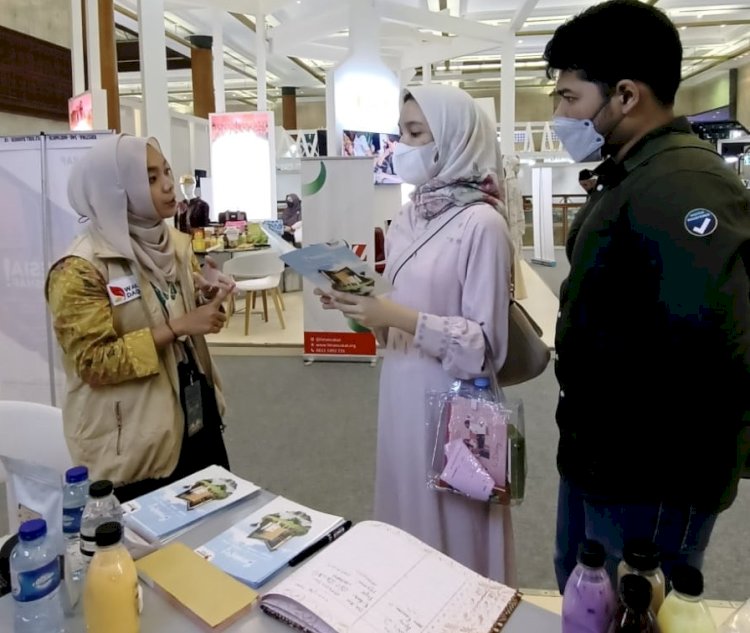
[109,187]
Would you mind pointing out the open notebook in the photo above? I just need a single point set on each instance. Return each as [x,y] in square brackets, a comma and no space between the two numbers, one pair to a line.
[379,579]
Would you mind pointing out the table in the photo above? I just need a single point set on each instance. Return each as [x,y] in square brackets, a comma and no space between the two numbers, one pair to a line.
[161,617]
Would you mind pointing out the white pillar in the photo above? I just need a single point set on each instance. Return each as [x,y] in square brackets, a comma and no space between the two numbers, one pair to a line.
[426,73]
[220,99]
[544,238]
[260,61]
[154,72]
[92,45]
[508,96]
[76,48]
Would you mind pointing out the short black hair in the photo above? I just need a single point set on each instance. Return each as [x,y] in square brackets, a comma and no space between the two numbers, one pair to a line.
[585,174]
[593,44]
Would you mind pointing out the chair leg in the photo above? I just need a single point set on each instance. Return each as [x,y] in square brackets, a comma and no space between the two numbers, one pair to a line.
[281,299]
[247,313]
[230,310]
[253,300]
[265,306]
[277,302]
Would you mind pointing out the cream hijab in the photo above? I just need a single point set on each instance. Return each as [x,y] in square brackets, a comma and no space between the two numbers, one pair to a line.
[109,187]
[467,166]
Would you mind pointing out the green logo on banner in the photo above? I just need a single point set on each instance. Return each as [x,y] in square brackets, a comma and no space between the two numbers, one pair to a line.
[316,185]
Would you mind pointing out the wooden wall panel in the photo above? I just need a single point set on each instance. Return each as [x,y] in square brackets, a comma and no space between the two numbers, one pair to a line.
[35,76]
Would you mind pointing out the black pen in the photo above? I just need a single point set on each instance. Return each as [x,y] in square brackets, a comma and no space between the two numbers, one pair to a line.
[320,544]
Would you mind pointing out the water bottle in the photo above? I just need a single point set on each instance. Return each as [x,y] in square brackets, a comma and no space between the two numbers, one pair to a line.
[101,507]
[35,579]
[482,390]
[75,494]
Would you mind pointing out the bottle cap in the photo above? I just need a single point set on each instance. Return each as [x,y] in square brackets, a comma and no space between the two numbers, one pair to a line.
[641,554]
[32,530]
[482,383]
[591,553]
[635,592]
[109,533]
[76,475]
[101,489]
[687,580]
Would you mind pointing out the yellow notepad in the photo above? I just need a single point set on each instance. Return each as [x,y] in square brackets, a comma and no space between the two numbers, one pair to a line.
[192,583]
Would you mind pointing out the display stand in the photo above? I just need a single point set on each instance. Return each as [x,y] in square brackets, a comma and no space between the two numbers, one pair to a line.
[544,240]
[38,226]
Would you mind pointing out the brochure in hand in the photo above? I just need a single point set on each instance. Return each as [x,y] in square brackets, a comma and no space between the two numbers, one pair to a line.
[166,512]
[336,266]
[260,545]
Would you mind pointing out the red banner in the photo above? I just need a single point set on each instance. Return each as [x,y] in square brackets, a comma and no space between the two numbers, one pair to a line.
[340,343]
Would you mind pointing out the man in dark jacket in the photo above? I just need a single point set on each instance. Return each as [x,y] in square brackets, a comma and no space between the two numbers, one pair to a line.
[653,335]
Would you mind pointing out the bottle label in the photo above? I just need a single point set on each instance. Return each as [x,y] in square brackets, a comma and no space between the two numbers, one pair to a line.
[72,520]
[36,583]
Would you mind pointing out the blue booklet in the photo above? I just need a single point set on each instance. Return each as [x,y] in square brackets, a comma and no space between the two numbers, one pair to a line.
[338,267]
[258,546]
[164,513]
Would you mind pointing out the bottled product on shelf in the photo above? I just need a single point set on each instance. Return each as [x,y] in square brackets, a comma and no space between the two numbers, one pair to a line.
[35,581]
[589,600]
[643,558]
[102,506]
[110,599]
[684,610]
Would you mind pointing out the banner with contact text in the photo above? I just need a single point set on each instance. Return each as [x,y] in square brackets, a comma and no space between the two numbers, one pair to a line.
[337,207]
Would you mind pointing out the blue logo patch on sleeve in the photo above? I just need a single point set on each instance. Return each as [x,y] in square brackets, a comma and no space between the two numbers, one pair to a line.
[700,222]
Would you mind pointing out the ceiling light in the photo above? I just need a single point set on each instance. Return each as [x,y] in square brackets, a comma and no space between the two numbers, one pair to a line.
[682,28]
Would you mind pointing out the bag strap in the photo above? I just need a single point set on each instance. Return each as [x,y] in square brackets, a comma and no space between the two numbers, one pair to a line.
[424,239]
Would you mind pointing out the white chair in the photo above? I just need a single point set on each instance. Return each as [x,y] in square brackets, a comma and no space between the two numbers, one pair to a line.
[258,272]
[34,433]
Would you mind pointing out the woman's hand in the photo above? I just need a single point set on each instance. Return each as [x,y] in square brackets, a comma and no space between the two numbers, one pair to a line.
[208,319]
[212,280]
[370,312]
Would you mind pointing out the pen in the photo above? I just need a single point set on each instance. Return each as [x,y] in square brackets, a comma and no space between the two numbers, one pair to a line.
[320,544]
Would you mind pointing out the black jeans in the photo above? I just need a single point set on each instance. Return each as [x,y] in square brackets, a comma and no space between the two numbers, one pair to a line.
[203,449]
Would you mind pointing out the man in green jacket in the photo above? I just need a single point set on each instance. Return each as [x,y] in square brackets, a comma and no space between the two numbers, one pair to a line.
[653,334]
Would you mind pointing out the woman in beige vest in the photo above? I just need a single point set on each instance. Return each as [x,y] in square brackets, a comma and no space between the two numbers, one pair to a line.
[130,310]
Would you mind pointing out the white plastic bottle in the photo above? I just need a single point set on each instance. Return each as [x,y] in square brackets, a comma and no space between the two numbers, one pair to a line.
[102,507]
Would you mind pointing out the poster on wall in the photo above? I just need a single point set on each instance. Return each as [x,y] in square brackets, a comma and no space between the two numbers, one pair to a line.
[337,207]
[81,112]
[38,226]
[243,163]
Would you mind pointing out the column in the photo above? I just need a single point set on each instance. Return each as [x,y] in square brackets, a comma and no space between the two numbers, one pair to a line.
[201,65]
[154,72]
[508,96]
[220,100]
[92,45]
[426,74]
[260,61]
[108,62]
[76,49]
[289,107]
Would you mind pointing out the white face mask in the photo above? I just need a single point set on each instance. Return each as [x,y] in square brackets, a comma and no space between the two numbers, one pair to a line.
[414,165]
[579,138]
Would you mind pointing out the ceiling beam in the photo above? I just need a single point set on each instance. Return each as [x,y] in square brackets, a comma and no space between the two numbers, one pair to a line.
[392,12]
[308,28]
[452,48]
[521,15]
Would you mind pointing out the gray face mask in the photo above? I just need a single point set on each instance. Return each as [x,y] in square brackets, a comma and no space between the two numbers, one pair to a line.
[580,137]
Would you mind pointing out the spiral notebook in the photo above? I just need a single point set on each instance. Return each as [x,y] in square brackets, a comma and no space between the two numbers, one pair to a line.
[377,578]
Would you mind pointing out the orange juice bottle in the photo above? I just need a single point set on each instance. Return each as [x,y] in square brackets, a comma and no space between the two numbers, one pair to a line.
[110,596]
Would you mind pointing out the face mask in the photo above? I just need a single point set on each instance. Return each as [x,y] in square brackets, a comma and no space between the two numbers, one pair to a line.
[414,165]
[579,138]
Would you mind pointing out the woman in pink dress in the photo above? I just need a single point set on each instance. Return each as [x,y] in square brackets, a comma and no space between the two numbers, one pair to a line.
[449,296]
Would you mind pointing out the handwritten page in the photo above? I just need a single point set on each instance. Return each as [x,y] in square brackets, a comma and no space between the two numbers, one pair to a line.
[378,579]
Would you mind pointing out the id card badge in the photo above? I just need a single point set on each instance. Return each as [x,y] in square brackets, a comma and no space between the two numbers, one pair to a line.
[193,408]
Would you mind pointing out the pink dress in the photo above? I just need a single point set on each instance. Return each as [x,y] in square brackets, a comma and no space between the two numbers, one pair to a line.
[457,281]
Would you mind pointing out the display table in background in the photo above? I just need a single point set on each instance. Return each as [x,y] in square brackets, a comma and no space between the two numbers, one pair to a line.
[159,616]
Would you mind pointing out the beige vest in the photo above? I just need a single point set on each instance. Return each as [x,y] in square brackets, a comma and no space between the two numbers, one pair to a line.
[133,430]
